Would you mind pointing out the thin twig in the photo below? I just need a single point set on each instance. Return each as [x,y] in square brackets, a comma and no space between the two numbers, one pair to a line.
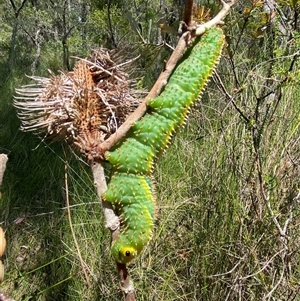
[230,97]
[264,267]
[278,282]
[282,230]
[229,272]
[140,111]
[266,198]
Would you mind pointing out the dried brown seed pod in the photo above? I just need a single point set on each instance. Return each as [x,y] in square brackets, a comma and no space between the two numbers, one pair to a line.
[83,107]
[2,242]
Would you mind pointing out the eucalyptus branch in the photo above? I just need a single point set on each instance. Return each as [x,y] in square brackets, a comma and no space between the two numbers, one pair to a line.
[182,44]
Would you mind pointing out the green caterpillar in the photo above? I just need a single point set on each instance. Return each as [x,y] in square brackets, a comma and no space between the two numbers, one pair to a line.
[130,188]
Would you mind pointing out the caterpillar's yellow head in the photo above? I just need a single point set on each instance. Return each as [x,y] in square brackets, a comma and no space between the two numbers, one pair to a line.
[123,254]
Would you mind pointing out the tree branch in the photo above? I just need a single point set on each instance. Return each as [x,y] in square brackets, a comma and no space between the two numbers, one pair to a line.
[112,221]
[17,10]
[188,12]
[14,7]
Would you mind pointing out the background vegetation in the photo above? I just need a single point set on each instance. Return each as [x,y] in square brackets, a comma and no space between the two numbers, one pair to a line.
[227,188]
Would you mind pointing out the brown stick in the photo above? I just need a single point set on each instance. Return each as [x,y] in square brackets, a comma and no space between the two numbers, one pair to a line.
[112,221]
[126,284]
[188,12]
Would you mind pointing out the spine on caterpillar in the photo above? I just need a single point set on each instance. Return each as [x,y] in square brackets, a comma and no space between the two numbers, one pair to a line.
[130,188]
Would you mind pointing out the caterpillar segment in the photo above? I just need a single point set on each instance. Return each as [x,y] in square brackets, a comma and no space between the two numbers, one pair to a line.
[130,189]
[132,197]
[134,157]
